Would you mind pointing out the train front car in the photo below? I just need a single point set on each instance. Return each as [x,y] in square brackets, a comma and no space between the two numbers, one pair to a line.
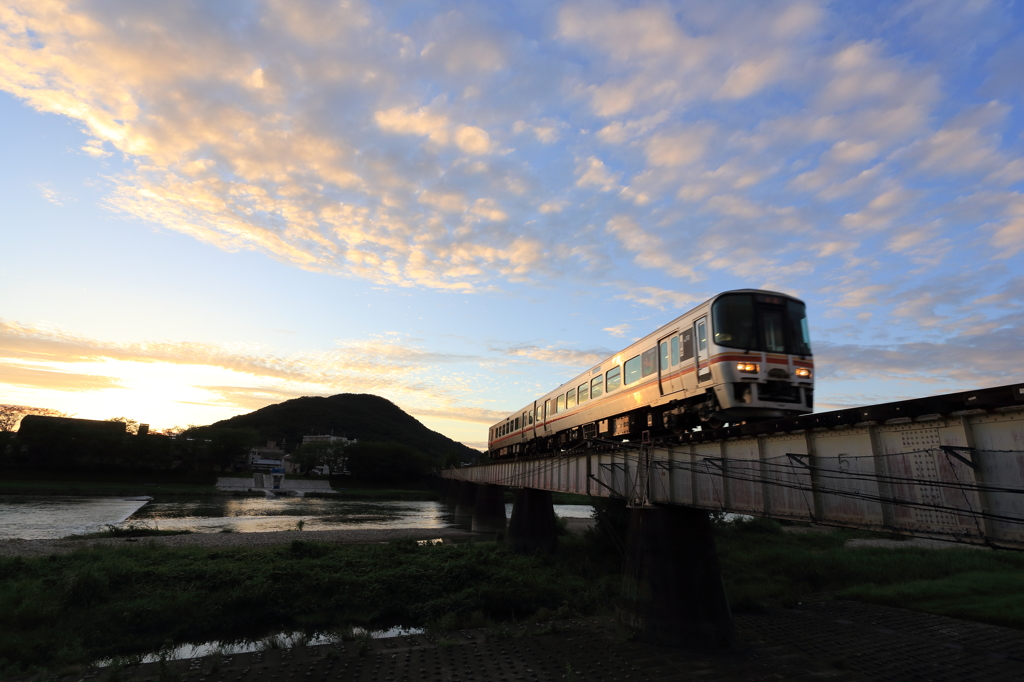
[741,356]
[759,357]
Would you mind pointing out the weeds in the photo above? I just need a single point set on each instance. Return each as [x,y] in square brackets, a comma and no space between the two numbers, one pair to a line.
[102,602]
[135,529]
[763,565]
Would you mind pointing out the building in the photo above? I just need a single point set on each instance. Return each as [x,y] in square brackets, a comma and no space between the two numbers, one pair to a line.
[266,458]
[328,439]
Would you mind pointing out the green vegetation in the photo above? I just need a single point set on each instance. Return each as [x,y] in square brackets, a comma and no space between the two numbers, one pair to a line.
[120,601]
[761,564]
[104,602]
[132,530]
[386,462]
[61,444]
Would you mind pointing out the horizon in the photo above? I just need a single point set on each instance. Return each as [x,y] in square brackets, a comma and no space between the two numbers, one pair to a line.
[212,209]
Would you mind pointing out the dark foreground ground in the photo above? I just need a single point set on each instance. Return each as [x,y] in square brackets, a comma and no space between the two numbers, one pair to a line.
[820,639]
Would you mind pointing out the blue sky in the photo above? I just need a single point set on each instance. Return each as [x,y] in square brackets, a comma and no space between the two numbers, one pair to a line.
[210,207]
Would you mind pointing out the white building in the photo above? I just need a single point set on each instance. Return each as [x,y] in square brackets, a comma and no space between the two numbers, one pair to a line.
[327,439]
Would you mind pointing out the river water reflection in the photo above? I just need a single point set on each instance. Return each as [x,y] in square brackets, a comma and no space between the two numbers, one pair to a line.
[54,517]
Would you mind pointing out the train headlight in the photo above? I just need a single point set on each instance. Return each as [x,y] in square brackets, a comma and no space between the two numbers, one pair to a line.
[748,367]
[803,372]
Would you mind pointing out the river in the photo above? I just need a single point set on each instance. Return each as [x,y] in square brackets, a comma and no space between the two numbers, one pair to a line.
[32,518]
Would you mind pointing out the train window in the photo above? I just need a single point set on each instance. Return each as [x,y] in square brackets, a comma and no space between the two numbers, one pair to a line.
[686,352]
[529,416]
[570,399]
[675,351]
[732,320]
[664,354]
[561,404]
[702,336]
[583,393]
[774,337]
[596,387]
[798,333]
[547,409]
[649,360]
[516,427]
[613,379]
[631,371]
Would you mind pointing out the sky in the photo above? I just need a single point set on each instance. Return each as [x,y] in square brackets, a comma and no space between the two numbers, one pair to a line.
[206,208]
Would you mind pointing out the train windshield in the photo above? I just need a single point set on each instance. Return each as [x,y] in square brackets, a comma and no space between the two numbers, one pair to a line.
[760,322]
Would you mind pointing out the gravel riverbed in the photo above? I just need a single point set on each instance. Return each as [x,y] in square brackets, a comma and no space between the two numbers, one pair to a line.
[30,548]
[36,548]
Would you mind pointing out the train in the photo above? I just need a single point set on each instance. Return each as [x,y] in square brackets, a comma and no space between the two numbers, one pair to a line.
[741,356]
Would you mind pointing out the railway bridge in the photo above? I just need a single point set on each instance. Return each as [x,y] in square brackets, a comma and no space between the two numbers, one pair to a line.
[949,467]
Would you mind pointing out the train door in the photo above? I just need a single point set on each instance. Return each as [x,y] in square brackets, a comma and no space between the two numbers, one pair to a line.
[700,331]
[669,368]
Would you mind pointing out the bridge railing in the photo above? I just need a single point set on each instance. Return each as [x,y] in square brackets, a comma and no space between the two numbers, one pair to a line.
[958,478]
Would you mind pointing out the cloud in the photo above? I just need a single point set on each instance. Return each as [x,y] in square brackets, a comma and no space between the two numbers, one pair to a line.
[547,131]
[784,143]
[48,192]
[378,361]
[472,140]
[558,356]
[1008,235]
[966,361]
[475,415]
[650,249]
[753,75]
[661,299]
[618,331]
[680,148]
[591,172]
[402,121]
[52,380]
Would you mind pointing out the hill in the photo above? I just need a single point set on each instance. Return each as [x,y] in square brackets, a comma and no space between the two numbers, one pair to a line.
[361,416]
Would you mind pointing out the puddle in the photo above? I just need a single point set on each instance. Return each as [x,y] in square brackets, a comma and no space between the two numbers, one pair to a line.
[282,640]
[434,541]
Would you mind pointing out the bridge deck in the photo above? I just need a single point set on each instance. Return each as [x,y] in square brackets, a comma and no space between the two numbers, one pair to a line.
[949,467]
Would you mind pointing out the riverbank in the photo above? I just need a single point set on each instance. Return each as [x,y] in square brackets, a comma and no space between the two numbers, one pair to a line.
[822,639]
[42,548]
[192,484]
[119,598]
[39,548]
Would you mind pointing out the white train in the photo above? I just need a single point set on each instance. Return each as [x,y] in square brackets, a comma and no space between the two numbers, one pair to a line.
[741,356]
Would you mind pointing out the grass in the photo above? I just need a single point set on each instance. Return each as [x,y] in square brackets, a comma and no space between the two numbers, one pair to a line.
[132,530]
[118,601]
[122,601]
[762,565]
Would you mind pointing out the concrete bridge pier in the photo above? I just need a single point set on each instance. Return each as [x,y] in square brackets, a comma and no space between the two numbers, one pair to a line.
[532,526]
[672,592]
[489,511]
[465,501]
